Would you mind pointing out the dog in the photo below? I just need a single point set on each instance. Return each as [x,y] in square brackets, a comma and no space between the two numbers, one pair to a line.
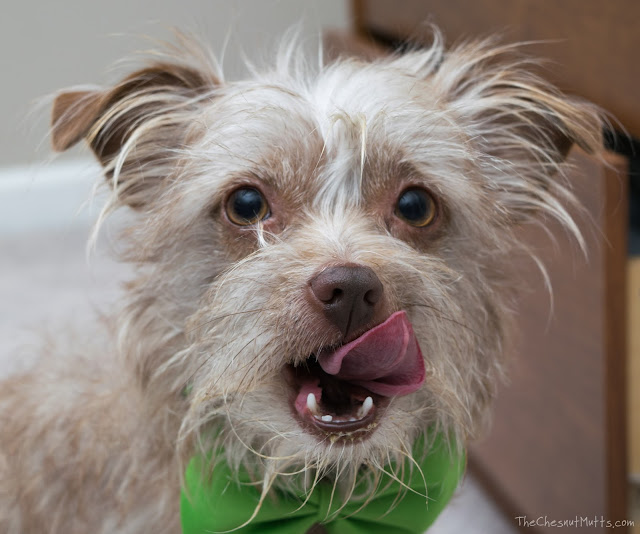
[322,282]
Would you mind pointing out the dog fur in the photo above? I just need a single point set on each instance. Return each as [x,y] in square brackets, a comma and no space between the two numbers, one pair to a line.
[95,437]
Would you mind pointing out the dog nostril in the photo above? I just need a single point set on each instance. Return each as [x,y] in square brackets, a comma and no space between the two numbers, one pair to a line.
[372,296]
[327,293]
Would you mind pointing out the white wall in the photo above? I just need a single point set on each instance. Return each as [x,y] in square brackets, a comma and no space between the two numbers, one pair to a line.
[48,45]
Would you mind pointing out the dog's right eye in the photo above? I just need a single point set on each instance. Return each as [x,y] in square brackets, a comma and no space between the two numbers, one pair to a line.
[416,207]
[247,206]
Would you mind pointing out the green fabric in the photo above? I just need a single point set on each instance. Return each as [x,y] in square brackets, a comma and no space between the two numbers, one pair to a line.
[221,502]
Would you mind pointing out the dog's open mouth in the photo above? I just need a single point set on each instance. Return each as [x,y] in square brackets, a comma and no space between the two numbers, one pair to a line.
[323,402]
[343,392]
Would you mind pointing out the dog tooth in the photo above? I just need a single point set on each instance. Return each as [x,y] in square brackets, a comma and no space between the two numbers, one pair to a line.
[312,404]
[327,418]
[366,406]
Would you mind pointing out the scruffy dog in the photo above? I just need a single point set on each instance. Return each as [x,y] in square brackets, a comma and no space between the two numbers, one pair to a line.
[322,279]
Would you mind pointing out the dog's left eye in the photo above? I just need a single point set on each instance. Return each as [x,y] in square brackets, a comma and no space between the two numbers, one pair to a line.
[247,206]
[416,207]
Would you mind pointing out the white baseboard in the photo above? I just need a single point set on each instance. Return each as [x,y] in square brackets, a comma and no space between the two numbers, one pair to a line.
[48,196]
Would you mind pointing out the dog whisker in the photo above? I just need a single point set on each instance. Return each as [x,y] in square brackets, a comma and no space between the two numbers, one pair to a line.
[226,316]
[441,315]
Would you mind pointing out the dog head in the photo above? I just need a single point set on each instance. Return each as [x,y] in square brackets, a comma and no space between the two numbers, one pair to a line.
[322,254]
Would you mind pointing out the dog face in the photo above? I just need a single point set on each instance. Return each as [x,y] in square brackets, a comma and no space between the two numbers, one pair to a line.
[322,255]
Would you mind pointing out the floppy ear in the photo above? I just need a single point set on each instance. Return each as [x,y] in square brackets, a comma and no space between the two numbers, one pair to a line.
[520,126]
[137,128]
[72,116]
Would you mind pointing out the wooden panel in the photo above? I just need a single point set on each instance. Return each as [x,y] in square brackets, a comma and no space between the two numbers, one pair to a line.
[633,385]
[595,48]
[616,231]
[633,379]
[557,447]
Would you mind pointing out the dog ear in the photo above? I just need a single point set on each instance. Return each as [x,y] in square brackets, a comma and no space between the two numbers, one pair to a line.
[523,126]
[73,114]
[519,126]
[137,128]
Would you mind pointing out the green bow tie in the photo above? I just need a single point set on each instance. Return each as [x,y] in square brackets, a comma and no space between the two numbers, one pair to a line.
[218,503]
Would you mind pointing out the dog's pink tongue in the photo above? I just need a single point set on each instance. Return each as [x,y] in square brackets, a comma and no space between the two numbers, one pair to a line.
[386,360]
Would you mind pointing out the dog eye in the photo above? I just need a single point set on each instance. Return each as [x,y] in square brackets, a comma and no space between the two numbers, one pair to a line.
[247,206]
[416,207]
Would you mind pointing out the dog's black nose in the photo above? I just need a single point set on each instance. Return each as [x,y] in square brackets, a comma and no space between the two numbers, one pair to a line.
[348,295]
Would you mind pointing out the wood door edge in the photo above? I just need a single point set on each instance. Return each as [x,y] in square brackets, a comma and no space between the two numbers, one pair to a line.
[615,258]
